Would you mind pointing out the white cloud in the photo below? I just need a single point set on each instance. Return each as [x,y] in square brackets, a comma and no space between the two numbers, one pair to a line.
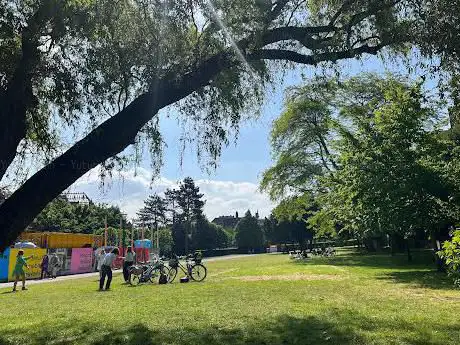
[129,189]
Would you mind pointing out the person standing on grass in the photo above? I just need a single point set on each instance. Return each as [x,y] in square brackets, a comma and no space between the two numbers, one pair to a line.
[44,266]
[18,271]
[128,262]
[100,258]
[54,265]
[106,269]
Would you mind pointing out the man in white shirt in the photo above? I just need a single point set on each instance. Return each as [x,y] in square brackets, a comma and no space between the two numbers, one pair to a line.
[106,269]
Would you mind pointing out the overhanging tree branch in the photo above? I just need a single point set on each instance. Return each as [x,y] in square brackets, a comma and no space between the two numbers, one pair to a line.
[118,132]
[303,35]
[289,55]
[98,146]
[345,6]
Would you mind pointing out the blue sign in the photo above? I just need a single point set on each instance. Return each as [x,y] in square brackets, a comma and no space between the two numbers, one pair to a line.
[4,260]
[142,244]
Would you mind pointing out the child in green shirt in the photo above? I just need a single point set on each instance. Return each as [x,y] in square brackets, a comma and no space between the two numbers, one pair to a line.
[18,271]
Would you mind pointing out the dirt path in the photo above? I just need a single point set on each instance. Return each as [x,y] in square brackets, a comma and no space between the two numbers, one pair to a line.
[96,274]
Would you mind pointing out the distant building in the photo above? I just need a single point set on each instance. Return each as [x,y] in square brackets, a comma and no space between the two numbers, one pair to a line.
[76,198]
[227,221]
[232,221]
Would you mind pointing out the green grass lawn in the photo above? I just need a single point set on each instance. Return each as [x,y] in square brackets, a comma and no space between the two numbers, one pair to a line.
[264,299]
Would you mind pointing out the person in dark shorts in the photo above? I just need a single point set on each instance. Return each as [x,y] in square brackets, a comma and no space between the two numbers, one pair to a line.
[106,269]
[44,267]
[128,262]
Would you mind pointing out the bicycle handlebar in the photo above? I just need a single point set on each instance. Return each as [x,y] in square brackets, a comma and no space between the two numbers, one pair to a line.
[183,257]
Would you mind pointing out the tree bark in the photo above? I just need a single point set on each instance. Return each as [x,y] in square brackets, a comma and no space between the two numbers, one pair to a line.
[409,254]
[14,103]
[18,96]
[392,245]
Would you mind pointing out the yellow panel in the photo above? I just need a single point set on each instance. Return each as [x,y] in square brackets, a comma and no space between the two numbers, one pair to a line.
[33,262]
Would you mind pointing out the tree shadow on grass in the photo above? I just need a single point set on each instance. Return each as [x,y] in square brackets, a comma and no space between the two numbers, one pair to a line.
[421,272]
[421,259]
[420,278]
[341,326]
[282,330]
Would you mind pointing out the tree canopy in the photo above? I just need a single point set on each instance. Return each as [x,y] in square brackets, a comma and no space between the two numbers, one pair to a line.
[153,212]
[110,67]
[180,213]
[62,216]
[249,235]
[385,166]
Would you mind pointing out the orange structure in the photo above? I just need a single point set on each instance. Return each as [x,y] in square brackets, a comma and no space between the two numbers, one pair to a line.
[62,239]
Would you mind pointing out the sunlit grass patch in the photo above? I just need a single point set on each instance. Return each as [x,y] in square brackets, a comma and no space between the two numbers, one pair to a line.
[350,299]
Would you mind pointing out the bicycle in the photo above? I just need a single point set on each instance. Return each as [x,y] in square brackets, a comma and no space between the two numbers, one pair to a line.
[193,268]
[329,252]
[147,273]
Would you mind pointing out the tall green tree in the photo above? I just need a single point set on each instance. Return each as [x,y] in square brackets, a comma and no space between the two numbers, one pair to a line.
[249,235]
[207,235]
[154,212]
[394,170]
[171,204]
[190,204]
[392,178]
[289,222]
[112,66]
[166,242]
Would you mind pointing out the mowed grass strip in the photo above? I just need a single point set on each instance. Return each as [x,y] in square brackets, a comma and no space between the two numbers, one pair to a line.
[349,299]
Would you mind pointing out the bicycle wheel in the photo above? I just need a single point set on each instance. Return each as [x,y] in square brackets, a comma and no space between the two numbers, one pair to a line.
[172,273]
[134,279]
[198,272]
[165,271]
[154,275]
[159,271]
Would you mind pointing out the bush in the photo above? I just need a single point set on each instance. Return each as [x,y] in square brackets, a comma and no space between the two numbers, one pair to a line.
[450,253]
[220,252]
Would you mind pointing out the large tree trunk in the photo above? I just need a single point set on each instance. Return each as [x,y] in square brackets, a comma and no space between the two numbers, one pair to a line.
[409,254]
[14,103]
[107,140]
[392,245]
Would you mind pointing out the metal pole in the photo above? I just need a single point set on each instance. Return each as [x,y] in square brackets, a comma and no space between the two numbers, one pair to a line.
[151,235]
[120,234]
[158,241]
[132,237]
[105,232]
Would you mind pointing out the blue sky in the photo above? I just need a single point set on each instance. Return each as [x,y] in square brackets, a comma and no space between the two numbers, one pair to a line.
[234,185]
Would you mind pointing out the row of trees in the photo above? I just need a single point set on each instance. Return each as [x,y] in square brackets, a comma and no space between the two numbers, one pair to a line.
[180,211]
[367,157]
[63,216]
[178,219]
